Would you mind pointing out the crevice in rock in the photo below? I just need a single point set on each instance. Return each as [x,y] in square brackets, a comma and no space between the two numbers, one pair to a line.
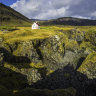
[10,47]
[80,62]
[12,59]
[36,46]
[64,49]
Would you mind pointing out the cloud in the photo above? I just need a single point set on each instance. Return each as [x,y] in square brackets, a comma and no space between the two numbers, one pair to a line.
[50,9]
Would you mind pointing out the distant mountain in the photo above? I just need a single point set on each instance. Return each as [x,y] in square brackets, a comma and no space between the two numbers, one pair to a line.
[33,20]
[69,21]
[9,16]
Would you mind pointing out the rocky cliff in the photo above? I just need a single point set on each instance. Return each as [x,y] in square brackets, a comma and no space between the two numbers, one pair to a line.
[57,62]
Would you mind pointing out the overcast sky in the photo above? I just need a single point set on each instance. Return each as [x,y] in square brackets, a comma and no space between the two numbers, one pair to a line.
[51,9]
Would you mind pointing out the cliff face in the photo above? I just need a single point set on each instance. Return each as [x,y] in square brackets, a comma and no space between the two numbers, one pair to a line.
[50,54]
[58,61]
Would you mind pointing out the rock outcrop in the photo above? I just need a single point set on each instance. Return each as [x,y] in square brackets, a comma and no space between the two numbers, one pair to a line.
[88,67]
[53,53]
[51,63]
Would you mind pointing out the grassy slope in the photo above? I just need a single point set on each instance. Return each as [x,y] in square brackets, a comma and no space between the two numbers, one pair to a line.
[10,17]
[26,33]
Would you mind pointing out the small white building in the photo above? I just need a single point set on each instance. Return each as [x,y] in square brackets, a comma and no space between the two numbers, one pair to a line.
[35,26]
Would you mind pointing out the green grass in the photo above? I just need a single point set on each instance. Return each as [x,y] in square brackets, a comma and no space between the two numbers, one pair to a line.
[26,33]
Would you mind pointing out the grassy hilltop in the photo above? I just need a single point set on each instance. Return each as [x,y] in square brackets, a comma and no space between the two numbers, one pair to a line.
[26,33]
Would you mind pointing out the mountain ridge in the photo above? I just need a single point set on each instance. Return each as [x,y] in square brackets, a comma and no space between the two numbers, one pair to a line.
[69,21]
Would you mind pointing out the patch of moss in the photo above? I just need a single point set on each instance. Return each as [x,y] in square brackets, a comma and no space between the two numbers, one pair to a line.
[39,65]
[87,46]
[12,67]
[72,45]
[90,36]
[18,50]
[84,45]
[49,72]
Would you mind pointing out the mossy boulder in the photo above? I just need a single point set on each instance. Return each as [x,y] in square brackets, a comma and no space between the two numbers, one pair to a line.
[32,74]
[72,45]
[53,50]
[90,36]
[76,34]
[88,67]
[27,49]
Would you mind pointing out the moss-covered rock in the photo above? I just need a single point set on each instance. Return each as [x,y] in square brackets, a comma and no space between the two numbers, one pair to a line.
[76,34]
[88,67]
[32,74]
[53,50]
[27,49]
[90,36]
[72,45]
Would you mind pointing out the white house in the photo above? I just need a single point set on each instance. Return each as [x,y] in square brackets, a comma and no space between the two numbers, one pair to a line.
[35,26]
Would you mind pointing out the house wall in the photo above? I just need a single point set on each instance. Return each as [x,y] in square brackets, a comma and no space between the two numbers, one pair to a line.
[35,26]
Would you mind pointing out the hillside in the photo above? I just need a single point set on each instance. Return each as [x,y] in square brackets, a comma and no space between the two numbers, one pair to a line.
[9,16]
[69,21]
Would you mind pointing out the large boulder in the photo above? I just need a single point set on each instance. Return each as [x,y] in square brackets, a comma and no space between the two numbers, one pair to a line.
[88,67]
